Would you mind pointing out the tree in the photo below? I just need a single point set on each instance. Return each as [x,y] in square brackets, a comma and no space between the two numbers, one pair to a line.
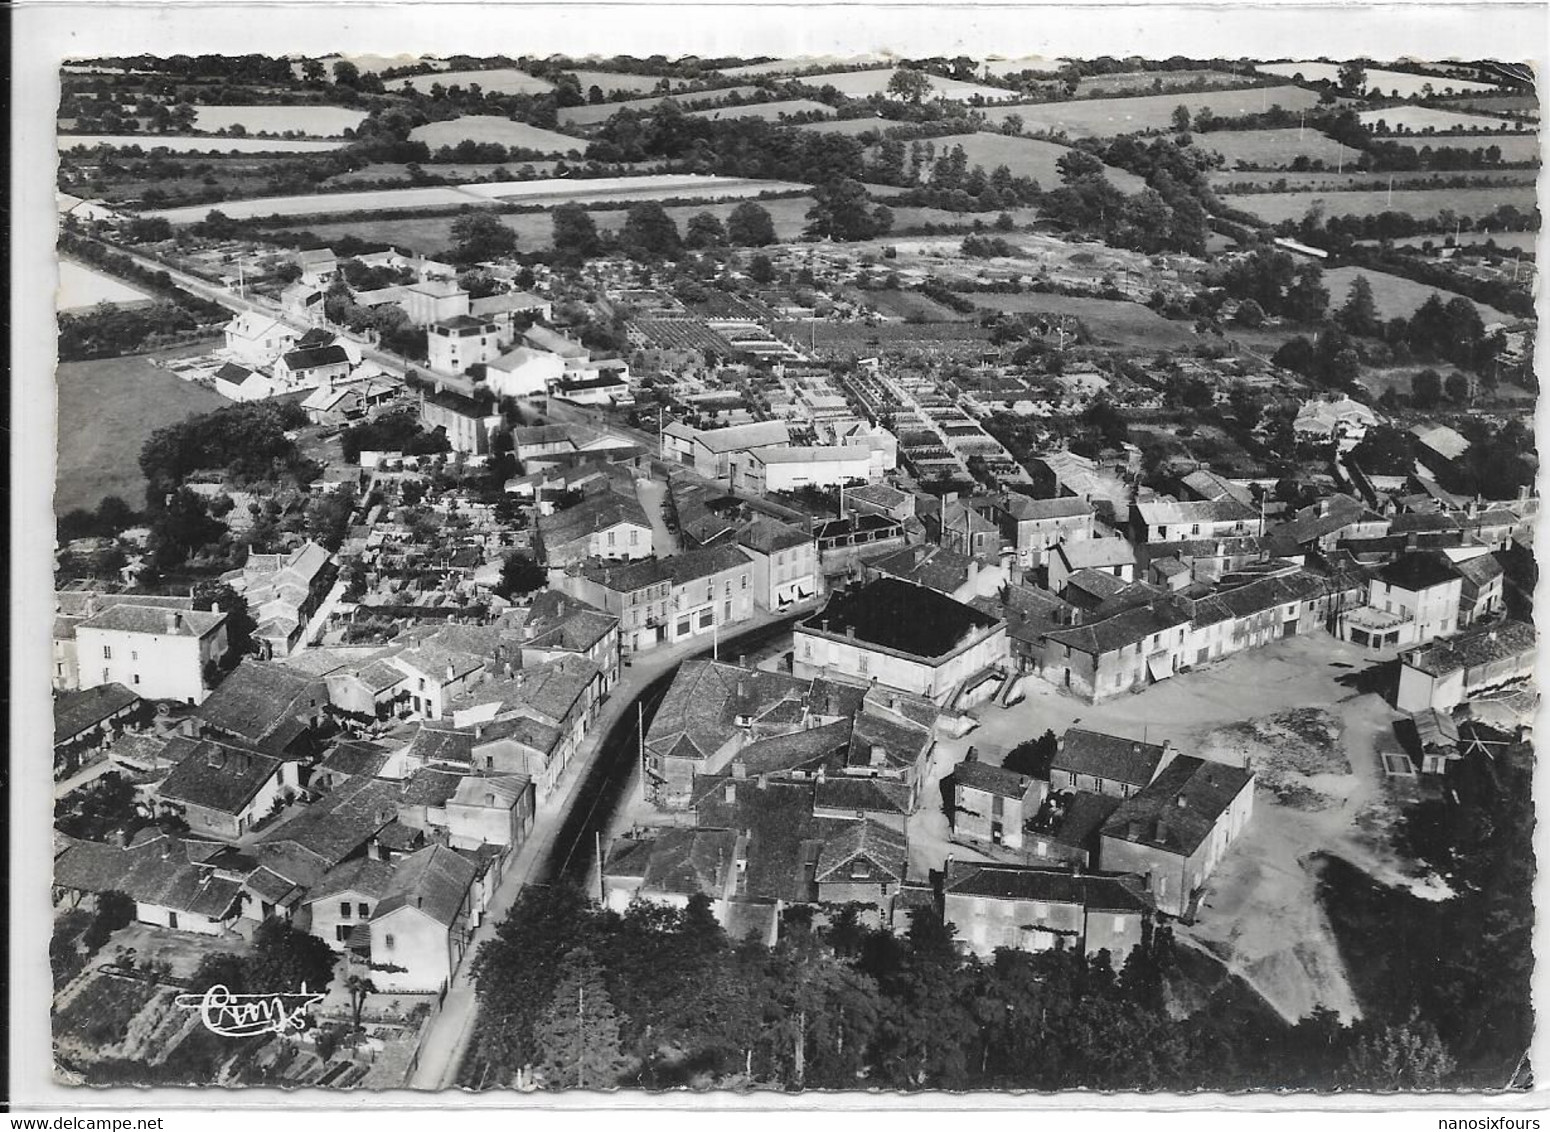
[1034,756]
[1307,297]
[520,575]
[575,234]
[1353,77]
[578,1036]
[346,73]
[1426,389]
[1077,165]
[649,233]
[359,987]
[1457,387]
[909,84]
[1181,119]
[1359,314]
[1388,1058]
[313,71]
[841,211]
[481,236]
[705,230]
[1386,450]
[1250,314]
[761,269]
[750,225]
[240,625]
[284,960]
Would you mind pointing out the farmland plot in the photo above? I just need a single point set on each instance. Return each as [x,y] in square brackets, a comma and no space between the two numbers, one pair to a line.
[768,111]
[1402,83]
[82,287]
[492,128]
[1509,104]
[1025,157]
[1394,296]
[1145,82]
[610,81]
[1276,207]
[1106,117]
[583,116]
[1274,148]
[503,80]
[1329,181]
[315,121]
[862,84]
[1514,147]
[1418,118]
[183,143]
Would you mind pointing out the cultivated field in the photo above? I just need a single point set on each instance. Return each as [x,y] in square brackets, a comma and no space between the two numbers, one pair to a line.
[862,84]
[609,81]
[850,127]
[1273,149]
[1394,296]
[1145,82]
[1514,147]
[594,115]
[905,304]
[1509,104]
[502,80]
[1418,118]
[81,287]
[491,128]
[1275,207]
[317,121]
[1329,181]
[786,66]
[547,191]
[1109,320]
[1025,157]
[1105,117]
[768,111]
[107,411]
[1398,83]
[178,143]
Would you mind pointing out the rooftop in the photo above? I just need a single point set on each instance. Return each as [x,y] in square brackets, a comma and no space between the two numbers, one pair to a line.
[434,880]
[1474,648]
[1110,892]
[894,614]
[1178,811]
[1112,757]
[1416,572]
[123,617]
[217,777]
[75,712]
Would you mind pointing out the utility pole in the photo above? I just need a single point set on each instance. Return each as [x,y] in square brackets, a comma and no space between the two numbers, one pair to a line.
[581,1036]
[598,838]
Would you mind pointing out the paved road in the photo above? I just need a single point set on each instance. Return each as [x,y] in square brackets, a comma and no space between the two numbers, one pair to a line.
[562,846]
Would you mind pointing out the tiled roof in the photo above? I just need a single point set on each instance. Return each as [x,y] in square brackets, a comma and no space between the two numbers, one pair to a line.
[435,880]
[1111,757]
[1479,571]
[894,614]
[217,777]
[259,700]
[1416,572]
[975,775]
[1096,552]
[1110,892]
[768,535]
[155,869]
[437,663]
[935,567]
[1473,648]
[883,846]
[154,620]
[315,357]
[75,712]
[597,513]
[355,757]
[681,569]
[1179,809]
[362,875]
[1128,628]
[340,823]
[1025,509]
[687,861]
[797,749]
[760,434]
[502,791]
[862,796]
[706,698]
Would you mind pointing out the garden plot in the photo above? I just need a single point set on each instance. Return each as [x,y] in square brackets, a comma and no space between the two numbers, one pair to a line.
[315,121]
[491,128]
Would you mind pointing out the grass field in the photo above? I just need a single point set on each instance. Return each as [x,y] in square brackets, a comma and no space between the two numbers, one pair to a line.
[1111,320]
[1145,82]
[1105,117]
[1395,297]
[609,81]
[1505,241]
[1509,104]
[490,128]
[318,121]
[862,84]
[593,115]
[1514,147]
[1403,83]
[768,111]
[1275,207]
[905,304]
[1025,157]
[178,143]
[1330,181]
[107,411]
[1419,118]
[81,287]
[785,66]
[1273,149]
[504,80]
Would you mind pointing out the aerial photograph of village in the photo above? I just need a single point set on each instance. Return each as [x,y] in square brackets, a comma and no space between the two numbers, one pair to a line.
[855,573]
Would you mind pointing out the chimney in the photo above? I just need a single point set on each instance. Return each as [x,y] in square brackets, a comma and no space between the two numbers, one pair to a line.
[879,755]
[739,769]
[972,757]
[1323,508]
[1183,802]
[451,672]
[174,620]
[850,631]
[730,792]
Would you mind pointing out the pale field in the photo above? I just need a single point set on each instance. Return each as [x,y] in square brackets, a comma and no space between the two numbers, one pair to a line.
[1418,118]
[318,121]
[860,84]
[1275,207]
[503,80]
[81,287]
[1394,295]
[593,115]
[768,111]
[491,128]
[183,143]
[1514,146]
[1274,148]
[1105,117]
[1389,82]
[785,66]
[1024,157]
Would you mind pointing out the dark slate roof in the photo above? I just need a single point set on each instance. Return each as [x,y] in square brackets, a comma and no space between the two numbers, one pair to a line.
[257,700]
[1085,813]
[430,787]
[435,880]
[1025,509]
[935,567]
[75,712]
[218,777]
[706,698]
[355,757]
[1415,572]
[798,749]
[768,535]
[785,836]
[159,621]
[1109,892]
[882,845]
[1111,757]
[1479,571]
[315,357]
[233,373]
[975,775]
[685,861]
[1177,812]
[598,513]
[362,874]
[894,614]
[333,828]
[679,569]
[862,795]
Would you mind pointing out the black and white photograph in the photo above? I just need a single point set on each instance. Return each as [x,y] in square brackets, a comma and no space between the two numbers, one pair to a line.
[748,572]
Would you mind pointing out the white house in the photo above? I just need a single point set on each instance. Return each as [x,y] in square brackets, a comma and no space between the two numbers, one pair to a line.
[422,924]
[523,372]
[257,339]
[237,382]
[159,654]
[784,469]
[454,344]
